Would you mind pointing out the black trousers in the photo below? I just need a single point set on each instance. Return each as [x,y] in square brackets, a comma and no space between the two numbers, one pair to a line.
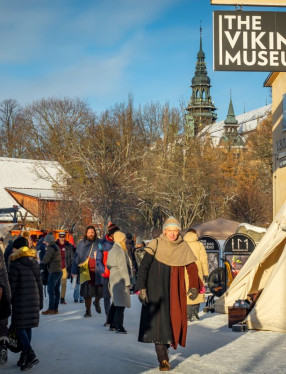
[106,295]
[116,316]
[4,329]
[162,351]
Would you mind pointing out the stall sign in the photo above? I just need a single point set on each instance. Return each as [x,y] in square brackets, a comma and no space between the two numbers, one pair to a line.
[239,243]
[210,243]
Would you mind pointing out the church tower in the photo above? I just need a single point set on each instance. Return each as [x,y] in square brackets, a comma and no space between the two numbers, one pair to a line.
[200,111]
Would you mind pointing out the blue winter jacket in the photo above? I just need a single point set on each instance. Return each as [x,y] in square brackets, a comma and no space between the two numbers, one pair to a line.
[81,254]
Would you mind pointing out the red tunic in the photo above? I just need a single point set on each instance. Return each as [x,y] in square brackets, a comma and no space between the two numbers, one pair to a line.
[178,301]
[91,266]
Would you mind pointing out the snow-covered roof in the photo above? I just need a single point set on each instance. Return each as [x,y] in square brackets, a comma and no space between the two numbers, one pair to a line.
[247,122]
[39,193]
[247,226]
[31,177]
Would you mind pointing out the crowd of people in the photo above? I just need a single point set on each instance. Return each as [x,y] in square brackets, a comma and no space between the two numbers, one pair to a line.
[168,275]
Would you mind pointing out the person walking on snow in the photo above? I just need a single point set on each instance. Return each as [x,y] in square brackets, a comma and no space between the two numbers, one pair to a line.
[27,298]
[162,291]
[104,245]
[67,254]
[87,249]
[193,306]
[119,264]
[52,258]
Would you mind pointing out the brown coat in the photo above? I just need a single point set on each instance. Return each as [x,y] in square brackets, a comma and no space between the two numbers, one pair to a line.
[201,262]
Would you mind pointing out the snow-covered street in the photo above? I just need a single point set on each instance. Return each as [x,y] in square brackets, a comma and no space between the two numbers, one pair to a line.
[69,343]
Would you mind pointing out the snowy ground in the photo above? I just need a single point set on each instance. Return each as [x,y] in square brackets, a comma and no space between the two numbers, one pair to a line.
[69,343]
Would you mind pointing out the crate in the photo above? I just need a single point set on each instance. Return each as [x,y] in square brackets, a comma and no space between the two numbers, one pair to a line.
[236,315]
[239,327]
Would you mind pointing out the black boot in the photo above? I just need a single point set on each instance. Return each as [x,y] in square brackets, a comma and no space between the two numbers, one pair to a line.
[87,313]
[3,352]
[97,306]
[190,312]
[22,359]
[31,360]
[196,309]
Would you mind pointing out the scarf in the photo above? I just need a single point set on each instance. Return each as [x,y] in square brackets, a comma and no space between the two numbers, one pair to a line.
[171,253]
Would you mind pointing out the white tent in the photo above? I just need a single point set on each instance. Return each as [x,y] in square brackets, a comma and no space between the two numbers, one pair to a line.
[264,270]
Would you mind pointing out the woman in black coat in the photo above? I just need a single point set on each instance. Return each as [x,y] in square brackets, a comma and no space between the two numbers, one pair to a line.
[27,297]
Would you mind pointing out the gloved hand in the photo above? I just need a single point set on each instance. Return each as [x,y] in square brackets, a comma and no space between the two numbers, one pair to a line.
[193,293]
[206,278]
[143,298]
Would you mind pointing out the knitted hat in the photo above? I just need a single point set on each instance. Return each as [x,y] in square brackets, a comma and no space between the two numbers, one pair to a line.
[129,236]
[112,228]
[49,238]
[20,242]
[171,222]
[119,237]
[62,233]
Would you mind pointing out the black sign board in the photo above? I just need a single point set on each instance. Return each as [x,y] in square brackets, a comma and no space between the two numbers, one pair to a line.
[239,243]
[249,41]
[213,251]
[210,243]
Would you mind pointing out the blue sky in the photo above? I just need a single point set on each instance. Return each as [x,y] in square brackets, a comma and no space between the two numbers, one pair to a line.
[103,50]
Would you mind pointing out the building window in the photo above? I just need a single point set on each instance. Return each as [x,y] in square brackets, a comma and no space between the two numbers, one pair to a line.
[284,113]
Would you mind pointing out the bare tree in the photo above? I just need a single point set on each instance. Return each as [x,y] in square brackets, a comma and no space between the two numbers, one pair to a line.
[14,134]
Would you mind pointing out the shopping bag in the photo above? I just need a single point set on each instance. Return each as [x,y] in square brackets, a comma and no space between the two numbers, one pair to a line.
[14,343]
[84,274]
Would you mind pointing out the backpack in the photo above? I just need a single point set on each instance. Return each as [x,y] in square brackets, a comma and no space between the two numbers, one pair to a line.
[44,271]
[140,252]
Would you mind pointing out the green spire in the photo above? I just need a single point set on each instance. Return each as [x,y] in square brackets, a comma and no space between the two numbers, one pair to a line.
[201,54]
[230,119]
[201,107]
[201,75]
[231,135]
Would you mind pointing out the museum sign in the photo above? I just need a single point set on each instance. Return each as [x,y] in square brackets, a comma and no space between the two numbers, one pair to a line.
[249,41]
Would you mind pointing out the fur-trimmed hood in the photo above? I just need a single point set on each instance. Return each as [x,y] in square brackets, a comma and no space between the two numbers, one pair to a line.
[23,252]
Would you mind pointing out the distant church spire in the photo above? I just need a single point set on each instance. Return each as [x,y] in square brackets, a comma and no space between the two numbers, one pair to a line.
[201,52]
[230,119]
[231,135]
[200,111]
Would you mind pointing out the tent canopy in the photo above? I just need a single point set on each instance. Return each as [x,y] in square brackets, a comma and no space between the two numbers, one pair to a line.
[265,271]
[220,228]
